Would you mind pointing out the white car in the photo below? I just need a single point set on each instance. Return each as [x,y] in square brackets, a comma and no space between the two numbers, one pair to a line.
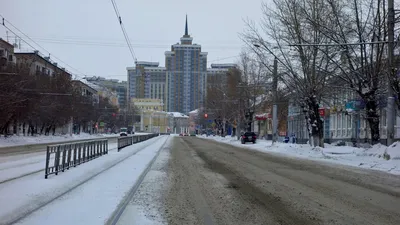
[123,131]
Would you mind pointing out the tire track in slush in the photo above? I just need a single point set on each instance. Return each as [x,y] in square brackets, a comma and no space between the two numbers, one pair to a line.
[273,204]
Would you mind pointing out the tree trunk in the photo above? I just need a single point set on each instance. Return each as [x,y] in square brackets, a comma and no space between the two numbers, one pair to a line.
[23,129]
[373,121]
[31,129]
[42,128]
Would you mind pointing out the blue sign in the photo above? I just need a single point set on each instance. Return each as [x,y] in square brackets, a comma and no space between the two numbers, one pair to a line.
[210,121]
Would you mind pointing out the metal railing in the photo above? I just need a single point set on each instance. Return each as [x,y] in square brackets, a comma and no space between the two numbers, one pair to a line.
[65,156]
[130,140]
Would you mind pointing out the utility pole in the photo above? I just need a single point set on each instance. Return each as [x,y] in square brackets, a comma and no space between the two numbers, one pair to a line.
[275,99]
[391,110]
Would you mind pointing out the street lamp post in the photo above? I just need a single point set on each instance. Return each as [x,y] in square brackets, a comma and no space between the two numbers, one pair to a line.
[275,106]
[275,98]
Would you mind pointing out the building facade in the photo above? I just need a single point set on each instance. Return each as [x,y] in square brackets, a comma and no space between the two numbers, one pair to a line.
[178,123]
[217,75]
[147,80]
[186,67]
[39,64]
[7,56]
[119,87]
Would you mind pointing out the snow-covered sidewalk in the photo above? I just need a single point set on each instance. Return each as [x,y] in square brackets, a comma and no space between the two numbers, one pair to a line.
[29,140]
[373,158]
[41,139]
[81,188]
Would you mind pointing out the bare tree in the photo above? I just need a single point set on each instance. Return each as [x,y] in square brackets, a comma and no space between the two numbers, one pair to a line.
[358,29]
[302,69]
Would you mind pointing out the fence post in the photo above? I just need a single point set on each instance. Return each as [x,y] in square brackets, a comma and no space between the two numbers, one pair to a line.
[69,156]
[57,159]
[91,151]
[75,153]
[47,162]
[79,154]
[63,158]
[106,145]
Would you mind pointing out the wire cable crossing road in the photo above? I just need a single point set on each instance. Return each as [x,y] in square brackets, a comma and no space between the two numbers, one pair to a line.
[216,183]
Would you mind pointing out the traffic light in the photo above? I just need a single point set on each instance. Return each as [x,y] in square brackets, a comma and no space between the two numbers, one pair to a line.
[205,115]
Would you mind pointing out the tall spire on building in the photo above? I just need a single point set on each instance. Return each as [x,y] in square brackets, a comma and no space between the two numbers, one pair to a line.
[186,28]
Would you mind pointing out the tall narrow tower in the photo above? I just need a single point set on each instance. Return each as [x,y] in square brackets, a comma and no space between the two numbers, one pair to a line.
[186,74]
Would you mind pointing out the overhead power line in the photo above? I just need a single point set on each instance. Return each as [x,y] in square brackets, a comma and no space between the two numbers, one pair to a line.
[35,48]
[119,44]
[123,29]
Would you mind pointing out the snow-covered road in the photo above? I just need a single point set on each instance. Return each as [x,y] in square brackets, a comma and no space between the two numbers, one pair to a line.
[371,158]
[100,183]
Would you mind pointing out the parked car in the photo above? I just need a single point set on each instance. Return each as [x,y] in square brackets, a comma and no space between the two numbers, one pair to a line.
[123,131]
[248,137]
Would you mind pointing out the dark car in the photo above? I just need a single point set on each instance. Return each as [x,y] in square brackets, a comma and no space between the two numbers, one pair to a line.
[248,137]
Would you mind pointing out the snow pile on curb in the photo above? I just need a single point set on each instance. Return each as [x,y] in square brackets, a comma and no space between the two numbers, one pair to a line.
[25,140]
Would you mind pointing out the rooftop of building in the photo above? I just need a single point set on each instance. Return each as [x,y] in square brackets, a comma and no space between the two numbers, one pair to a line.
[178,115]
[80,82]
[5,43]
[102,79]
[224,65]
[147,64]
[37,54]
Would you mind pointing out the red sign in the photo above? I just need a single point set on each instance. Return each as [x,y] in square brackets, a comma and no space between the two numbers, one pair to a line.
[322,112]
[206,115]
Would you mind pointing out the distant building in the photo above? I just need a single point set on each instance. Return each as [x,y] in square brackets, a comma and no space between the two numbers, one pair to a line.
[104,92]
[218,74]
[147,104]
[86,90]
[7,56]
[178,123]
[147,80]
[39,64]
[186,68]
[182,83]
[119,87]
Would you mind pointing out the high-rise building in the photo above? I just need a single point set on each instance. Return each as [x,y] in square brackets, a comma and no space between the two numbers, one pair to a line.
[147,80]
[217,75]
[186,68]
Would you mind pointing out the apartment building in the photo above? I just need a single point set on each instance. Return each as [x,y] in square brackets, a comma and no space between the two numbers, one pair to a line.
[39,64]
[7,56]
[217,75]
[147,80]
[186,68]
[86,90]
[119,87]
[182,83]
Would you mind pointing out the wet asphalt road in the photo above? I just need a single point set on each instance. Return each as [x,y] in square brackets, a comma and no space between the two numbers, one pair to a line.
[216,183]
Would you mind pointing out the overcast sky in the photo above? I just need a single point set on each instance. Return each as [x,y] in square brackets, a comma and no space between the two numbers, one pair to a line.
[86,35]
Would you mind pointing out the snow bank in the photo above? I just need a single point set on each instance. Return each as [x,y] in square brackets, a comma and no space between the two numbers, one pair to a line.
[26,140]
